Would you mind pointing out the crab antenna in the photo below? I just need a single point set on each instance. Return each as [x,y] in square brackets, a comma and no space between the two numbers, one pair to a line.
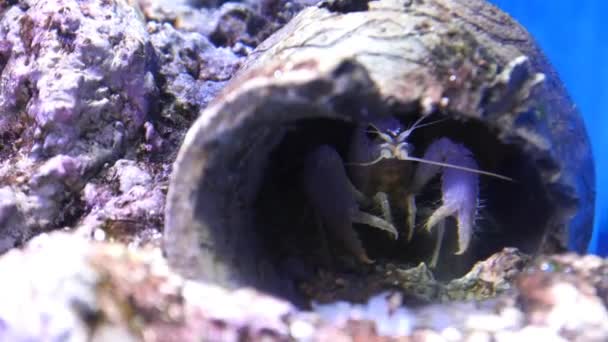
[402,136]
[463,168]
[368,163]
[407,132]
[430,123]
[415,125]
[383,135]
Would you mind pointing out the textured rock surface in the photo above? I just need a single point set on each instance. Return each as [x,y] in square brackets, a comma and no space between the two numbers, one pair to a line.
[95,98]
[418,285]
[92,89]
[65,288]
[76,85]
[62,287]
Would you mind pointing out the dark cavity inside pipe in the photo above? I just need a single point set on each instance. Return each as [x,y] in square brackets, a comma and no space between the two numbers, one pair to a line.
[298,249]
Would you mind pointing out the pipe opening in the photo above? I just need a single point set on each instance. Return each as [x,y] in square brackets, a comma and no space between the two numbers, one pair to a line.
[315,265]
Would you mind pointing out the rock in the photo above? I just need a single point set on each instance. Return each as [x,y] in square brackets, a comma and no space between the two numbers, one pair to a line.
[77,83]
[96,97]
[126,205]
[64,287]
[87,83]
[192,69]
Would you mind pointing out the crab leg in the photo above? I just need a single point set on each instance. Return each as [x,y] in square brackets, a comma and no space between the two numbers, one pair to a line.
[460,189]
[379,199]
[435,256]
[411,216]
[374,221]
[331,194]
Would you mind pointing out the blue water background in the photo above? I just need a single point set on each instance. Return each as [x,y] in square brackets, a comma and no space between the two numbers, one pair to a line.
[574,36]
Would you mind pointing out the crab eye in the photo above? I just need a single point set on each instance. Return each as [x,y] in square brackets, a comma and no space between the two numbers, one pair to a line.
[395,131]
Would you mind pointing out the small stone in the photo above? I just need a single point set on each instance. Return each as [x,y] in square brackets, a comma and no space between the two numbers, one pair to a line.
[301,330]
[99,234]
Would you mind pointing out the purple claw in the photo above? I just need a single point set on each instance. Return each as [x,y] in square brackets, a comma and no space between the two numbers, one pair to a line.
[327,188]
[460,189]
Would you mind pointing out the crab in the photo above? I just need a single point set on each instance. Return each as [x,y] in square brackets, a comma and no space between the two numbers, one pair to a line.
[380,160]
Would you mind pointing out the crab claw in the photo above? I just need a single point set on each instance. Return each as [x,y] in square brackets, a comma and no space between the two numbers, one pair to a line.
[328,190]
[460,189]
